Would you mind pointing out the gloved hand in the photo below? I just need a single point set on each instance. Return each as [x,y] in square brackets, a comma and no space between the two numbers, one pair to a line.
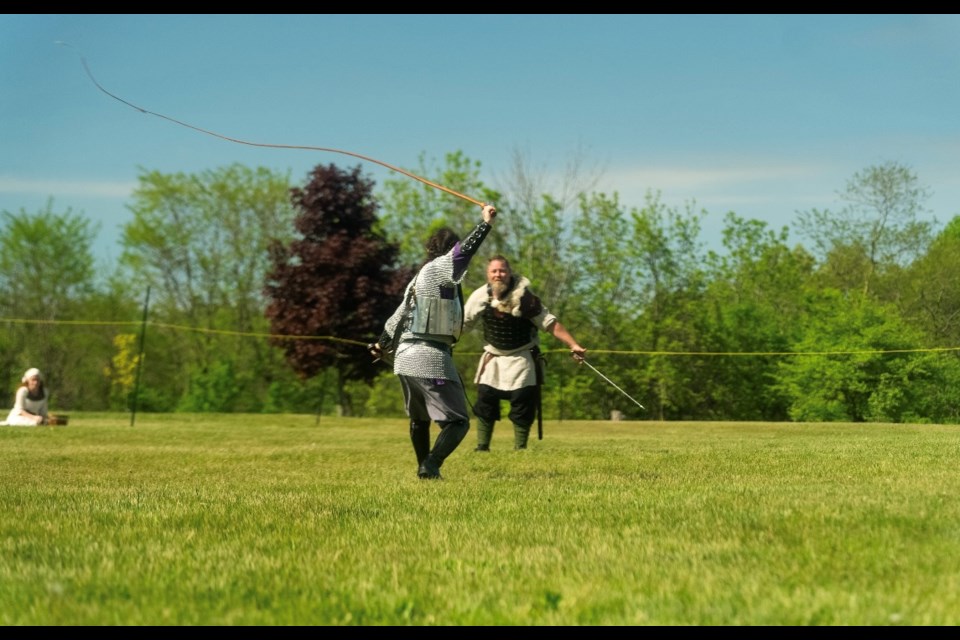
[383,349]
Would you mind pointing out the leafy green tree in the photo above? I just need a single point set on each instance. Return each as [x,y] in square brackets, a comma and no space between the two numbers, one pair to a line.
[929,295]
[666,253]
[200,242]
[605,301]
[536,236]
[880,219]
[214,390]
[45,261]
[338,281]
[844,267]
[47,277]
[289,393]
[922,389]
[413,210]
[755,303]
[122,371]
[859,362]
[635,271]
[121,366]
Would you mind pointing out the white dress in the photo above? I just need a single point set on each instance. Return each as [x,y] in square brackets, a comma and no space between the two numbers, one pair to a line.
[23,402]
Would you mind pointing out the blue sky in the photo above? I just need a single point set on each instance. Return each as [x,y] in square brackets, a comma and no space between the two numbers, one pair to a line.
[764,115]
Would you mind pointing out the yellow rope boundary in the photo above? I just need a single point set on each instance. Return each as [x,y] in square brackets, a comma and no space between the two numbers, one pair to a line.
[276,336]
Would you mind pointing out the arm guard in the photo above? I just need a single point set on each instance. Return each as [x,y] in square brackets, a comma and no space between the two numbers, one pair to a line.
[472,242]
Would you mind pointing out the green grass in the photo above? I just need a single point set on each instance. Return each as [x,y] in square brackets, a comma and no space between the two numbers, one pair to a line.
[279,520]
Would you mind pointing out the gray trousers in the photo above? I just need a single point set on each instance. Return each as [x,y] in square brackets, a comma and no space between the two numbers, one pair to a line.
[440,400]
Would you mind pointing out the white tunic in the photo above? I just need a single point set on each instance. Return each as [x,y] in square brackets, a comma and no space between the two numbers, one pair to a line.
[23,402]
[505,370]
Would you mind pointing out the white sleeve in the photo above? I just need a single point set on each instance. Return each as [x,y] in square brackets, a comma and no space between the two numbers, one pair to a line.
[474,306]
[544,320]
[18,399]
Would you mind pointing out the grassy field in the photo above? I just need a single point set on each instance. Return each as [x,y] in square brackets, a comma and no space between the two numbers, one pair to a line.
[287,520]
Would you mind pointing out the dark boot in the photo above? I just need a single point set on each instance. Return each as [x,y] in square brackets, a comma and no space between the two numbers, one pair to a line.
[484,434]
[520,436]
[420,437]
[450,436]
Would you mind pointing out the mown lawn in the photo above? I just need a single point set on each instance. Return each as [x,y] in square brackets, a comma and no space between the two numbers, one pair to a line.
[196,519]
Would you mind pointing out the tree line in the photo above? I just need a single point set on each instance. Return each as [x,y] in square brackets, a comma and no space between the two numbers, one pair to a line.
[261,294]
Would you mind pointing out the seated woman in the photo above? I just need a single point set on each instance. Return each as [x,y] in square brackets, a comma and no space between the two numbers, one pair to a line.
[30,403]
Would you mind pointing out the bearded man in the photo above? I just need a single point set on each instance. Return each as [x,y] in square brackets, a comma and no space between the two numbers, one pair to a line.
[512,317]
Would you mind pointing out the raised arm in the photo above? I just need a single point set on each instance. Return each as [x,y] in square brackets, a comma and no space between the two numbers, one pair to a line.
[466,249]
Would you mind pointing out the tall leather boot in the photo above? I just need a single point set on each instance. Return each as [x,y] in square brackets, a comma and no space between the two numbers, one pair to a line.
[450,436]
[484,434]
[520,436]
[420,437]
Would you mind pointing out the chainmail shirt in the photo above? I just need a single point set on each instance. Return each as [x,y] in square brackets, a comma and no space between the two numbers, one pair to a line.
[426,355]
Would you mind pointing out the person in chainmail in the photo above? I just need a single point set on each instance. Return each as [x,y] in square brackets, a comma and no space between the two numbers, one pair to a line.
[512,317]
[430,320]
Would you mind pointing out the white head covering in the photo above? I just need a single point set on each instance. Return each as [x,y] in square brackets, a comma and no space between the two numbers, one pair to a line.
[30,373]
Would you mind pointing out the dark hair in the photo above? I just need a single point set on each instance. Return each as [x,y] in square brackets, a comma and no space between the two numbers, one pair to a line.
[39,395]
[440,242]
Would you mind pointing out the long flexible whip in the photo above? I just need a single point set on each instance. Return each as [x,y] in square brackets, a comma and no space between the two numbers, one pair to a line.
[263,144]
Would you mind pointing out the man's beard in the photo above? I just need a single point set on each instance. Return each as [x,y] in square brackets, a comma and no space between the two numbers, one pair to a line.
[499,288]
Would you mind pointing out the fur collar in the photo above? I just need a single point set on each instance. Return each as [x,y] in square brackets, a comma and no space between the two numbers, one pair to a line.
[511,304]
